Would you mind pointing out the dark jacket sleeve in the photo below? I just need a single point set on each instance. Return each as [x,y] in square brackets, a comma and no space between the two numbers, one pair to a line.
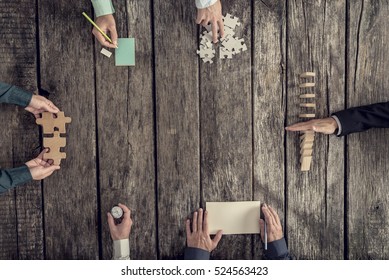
[277,250]
[362,118]
[14,95]
[10,178]
[196,254]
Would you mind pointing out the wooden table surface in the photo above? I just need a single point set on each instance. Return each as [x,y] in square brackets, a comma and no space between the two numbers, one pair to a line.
[171,133]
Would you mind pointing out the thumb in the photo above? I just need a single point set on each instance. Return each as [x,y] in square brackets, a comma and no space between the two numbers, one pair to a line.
[262,229]
[111,222]
[217,238]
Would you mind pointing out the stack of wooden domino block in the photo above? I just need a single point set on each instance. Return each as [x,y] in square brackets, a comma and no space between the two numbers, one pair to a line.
[306,103]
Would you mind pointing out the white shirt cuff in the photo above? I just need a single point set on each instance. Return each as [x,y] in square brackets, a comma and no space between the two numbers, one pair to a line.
[121,249]
[339,124]
[201,4]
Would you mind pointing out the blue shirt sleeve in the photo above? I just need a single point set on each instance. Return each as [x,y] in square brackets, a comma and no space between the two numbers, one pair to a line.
[10,178]
[103,7]
[14,95]
[277,250]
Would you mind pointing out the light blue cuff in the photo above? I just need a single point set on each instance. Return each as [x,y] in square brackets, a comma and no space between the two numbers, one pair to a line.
[103,7]
[201,4]
[339,124]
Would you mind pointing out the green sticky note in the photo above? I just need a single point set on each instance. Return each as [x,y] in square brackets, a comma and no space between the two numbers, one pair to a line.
[125,54]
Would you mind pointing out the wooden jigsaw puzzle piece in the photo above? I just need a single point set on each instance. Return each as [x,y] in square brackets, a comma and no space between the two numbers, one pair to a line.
[55,144]
[231,21]
[52,122]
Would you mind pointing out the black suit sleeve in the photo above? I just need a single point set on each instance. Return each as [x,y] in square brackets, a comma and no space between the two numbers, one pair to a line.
[277,250]
[196,254]
[363,118]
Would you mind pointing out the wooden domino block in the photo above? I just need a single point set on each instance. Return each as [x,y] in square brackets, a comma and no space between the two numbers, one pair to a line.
[308,75]
[305,163]
[307,95]
[308,105]
[307,136]
[306,85]
[307,115]
[306,152]
[306,145]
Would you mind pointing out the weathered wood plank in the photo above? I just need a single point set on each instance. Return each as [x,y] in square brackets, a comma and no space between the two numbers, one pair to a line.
[125,131]
[70,203]
[21,229]
[269,104]
[367,154]
[177,116]
[226,131]
[315,214]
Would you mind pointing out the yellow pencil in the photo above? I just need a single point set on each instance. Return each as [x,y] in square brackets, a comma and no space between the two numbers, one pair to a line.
[98,28]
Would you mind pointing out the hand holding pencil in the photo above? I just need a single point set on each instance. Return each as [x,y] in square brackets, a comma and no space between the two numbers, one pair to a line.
[272,231]
[101,27]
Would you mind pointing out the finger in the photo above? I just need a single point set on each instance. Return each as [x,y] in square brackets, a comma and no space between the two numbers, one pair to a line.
[187,226]
[114,35]
[194,222]
[50,161]
[199,18]
[99,36]
[267,214]
[275,215]
[50,107]
[221,27]
[111,222]
[300,126]
[40,156]
[205,222]
[50,170]
[262,229]
[205,22]
[200,220]
[126,211]
[217,238]
[214,31]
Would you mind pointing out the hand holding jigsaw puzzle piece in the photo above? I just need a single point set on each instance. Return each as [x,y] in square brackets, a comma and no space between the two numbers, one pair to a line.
[54,144]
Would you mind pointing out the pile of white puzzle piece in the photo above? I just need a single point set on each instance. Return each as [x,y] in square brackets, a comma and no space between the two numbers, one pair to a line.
[230,44]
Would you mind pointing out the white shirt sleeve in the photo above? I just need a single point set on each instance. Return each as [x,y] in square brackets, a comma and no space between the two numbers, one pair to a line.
[121,249]
[339,124]
[201,4]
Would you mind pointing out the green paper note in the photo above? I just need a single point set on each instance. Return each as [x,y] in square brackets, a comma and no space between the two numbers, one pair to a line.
[125,54]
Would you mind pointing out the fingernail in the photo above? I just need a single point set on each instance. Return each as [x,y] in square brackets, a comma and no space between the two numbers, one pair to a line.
[264,205]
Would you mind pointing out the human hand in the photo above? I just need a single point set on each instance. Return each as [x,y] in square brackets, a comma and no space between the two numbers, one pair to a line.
[199,236]
[325,126]
[122,230]
[273,225]
[40,104]
[213,15]
[106,23]
[41,168]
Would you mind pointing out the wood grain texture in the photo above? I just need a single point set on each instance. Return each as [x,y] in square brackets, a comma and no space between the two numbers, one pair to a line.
[367,190]
[177,116]
[70,203]
[21,230]
[125,131]
[226,131]
[315,202]
[269,103]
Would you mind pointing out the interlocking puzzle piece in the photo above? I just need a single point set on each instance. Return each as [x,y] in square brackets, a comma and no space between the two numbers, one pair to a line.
[207,60]
[231,21]
[234,45]
[50,122]
[54,144]
[105,52]
[306,152]
[206,53]
[223,53]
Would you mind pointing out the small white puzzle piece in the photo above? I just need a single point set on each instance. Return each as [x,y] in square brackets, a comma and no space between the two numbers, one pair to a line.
[231,21]
[105,52]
